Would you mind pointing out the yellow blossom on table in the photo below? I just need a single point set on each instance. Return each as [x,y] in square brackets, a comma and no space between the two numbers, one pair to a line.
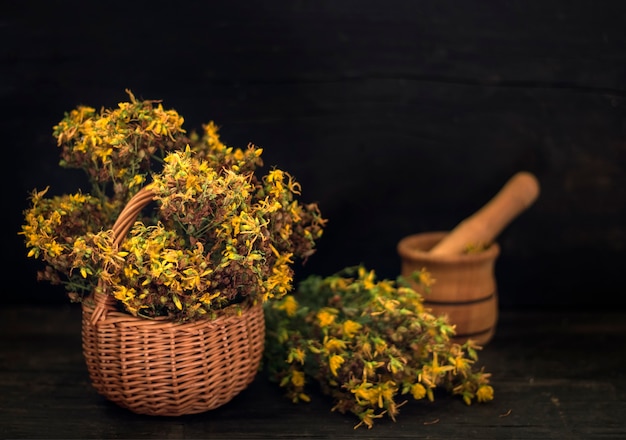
[370,367]
[379,345]
[385,391]
[484,393]
[364,392]
[289,305]
[418,391]
[296,354]
[367,418]
[461,364]
[372,342]
[426,278]
[325,317]
[391,304]
[367,278]
[395,364]
[351,328]
[338,283]
[334,345]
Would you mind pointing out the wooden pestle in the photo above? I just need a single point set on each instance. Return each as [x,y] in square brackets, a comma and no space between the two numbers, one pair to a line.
[480,229]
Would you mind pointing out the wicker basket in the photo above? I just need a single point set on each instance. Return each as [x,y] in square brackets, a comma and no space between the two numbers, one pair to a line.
[158,367]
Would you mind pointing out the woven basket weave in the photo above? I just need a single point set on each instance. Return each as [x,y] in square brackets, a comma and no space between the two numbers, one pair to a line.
[158,367]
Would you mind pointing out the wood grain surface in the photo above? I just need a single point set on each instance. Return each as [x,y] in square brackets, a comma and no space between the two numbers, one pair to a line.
[556,375]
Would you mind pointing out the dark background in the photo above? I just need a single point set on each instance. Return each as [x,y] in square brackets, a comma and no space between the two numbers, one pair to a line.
[397,117]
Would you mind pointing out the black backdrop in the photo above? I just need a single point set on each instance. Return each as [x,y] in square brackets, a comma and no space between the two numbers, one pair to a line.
[398,117]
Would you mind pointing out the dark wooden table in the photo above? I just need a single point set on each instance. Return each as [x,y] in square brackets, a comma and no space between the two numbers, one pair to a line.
[556,374]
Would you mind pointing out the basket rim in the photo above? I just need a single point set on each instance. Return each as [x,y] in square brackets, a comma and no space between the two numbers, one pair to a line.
[233,310]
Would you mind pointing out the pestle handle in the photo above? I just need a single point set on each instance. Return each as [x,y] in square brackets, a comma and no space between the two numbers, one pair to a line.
[480,229]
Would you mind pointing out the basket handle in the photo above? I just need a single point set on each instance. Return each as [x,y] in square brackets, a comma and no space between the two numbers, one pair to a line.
[102,300]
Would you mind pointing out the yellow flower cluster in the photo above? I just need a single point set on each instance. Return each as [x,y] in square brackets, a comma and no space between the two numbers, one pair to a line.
[53,227]
[367,343]
[115,146]
[217,234]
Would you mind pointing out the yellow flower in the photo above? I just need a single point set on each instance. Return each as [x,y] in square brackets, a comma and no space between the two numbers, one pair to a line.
[395,364]
[84,271]
[366,349]
[438,370]
[333,345]
[123,293]
[367,418]
[461,365]
[297,378]
[325,317]
[296,354]
[484,393]
[367,278]
[386,392]
[130,271]
[104,154]
[289,305]
[365,393]
[418,391]
[351,328]
[335,362]
[275,175]
[338,283]
[391,304]
[177,302]
[370,367]
[238,154]
[379,345]
[425,278]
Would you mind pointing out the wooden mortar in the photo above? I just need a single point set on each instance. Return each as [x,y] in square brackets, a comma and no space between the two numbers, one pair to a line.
[465,286]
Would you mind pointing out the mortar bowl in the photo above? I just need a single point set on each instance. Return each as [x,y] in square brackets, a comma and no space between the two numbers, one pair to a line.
[465,288]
